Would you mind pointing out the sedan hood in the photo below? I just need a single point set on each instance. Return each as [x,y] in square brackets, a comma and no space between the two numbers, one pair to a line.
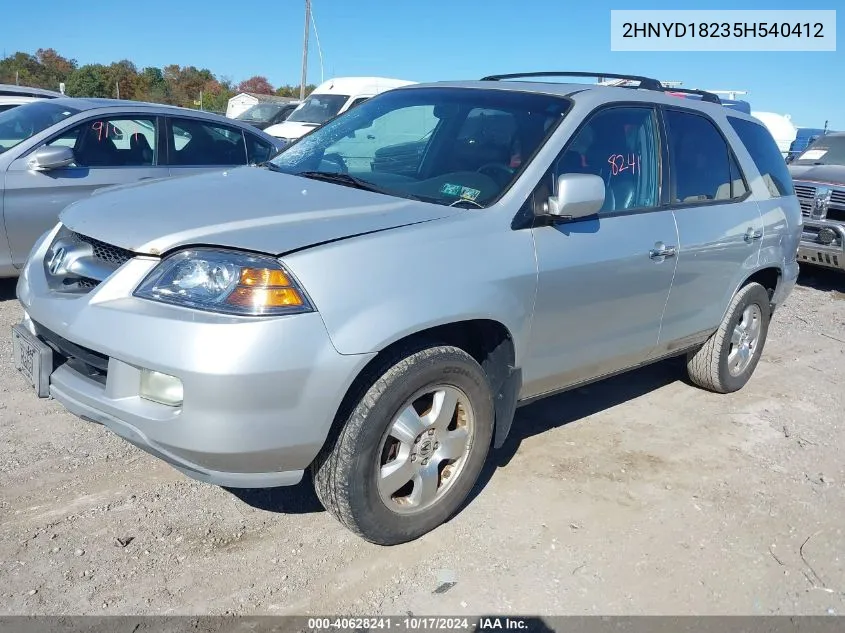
[827,174]
[246,208]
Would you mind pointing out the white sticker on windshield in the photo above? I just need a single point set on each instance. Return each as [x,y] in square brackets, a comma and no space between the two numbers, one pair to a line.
[813,154]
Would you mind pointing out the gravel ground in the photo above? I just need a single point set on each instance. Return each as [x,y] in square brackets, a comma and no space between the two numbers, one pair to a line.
[637,495]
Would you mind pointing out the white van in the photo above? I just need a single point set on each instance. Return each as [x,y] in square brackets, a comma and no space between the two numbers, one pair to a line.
[330,99]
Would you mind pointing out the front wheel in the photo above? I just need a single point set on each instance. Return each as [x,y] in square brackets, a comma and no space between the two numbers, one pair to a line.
[412,448]
[726,361]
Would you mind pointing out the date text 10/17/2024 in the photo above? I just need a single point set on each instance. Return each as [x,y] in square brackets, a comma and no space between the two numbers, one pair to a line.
[420,623]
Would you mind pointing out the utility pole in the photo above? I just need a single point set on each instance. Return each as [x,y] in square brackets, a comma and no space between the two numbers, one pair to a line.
[305,49]
[117,85]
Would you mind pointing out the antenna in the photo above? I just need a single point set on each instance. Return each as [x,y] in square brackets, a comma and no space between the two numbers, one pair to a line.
[305,49]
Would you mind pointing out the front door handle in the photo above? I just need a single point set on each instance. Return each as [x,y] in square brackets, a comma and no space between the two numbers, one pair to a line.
[661,251]
[751,235]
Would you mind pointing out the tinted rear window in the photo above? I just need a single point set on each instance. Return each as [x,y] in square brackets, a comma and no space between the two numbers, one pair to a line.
[765,154]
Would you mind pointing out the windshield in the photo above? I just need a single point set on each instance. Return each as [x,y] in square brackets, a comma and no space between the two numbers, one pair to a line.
[260,112]
[825,150]
[24,121]
[441,145]
[318,108]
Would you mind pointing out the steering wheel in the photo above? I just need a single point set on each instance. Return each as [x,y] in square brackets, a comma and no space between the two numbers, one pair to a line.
[496,171]
[337,159]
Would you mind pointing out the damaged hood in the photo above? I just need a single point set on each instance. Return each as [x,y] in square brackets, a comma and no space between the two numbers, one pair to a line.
[246,208]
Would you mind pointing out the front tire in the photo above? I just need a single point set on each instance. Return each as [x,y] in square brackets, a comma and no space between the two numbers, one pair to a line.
[727,360]
[411,450]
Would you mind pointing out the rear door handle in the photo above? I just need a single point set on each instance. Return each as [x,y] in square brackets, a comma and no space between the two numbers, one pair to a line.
[660,251]
[751,235]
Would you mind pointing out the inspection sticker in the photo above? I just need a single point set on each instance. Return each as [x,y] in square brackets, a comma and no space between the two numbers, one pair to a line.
[469,194]
[813,154]
[451,190]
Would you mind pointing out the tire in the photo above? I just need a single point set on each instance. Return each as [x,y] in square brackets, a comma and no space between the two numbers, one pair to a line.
[711,367]
[349,474]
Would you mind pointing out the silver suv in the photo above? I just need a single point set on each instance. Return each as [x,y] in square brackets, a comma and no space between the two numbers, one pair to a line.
[375,302]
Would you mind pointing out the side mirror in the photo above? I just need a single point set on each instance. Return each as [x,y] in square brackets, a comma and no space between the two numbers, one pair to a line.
[55,157]
[578,196]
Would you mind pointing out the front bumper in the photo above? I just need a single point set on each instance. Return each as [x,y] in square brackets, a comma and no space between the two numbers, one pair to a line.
[260,394]
[812,250]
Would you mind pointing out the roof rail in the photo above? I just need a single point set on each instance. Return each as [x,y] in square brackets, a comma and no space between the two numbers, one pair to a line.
[645,82]
[705,96]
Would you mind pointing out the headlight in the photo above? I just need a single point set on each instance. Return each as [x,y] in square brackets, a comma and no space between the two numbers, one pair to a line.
[226,282]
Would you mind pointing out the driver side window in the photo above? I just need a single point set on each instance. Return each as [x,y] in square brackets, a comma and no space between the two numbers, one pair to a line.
[621,146]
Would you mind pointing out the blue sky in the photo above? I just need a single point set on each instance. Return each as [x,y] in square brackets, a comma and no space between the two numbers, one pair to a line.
[423,40]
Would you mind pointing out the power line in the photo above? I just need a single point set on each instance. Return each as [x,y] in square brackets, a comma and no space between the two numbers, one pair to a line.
[319,48]
[305,49]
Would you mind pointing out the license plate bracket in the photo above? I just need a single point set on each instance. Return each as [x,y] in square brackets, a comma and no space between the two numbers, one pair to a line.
[33,359]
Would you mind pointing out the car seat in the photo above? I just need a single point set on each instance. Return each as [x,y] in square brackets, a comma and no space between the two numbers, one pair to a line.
[140,152]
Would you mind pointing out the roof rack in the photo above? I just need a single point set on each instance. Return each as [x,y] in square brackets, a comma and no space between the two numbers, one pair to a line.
[705,96]
[646,83]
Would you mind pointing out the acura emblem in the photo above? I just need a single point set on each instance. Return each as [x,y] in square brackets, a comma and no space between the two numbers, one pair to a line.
[57,258]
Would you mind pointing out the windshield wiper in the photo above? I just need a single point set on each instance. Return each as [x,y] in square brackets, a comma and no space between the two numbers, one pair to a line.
[341,179]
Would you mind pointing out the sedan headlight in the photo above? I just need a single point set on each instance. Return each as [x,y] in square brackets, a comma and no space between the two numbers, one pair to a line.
[225,281]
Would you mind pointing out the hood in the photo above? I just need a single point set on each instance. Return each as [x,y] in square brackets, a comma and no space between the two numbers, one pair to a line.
[247,208]
[826,174]
[290,129]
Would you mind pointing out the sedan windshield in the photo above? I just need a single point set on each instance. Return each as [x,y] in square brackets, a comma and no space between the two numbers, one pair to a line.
[24,121]
[318,108]
[449,146]
[260,112]
[826,150]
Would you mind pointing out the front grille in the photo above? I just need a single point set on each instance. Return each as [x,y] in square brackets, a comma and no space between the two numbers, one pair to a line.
[806,198]
[837,197]
[76,263]
[106,252]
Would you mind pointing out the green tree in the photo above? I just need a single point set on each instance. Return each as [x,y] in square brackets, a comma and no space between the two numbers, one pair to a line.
[293,91]
[91,80]
[23,67]
[153,87]
[122,79]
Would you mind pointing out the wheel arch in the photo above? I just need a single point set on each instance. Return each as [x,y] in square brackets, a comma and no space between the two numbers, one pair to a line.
[768,277]
[488,341]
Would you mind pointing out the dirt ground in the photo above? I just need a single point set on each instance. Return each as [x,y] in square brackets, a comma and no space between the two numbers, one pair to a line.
[637,495]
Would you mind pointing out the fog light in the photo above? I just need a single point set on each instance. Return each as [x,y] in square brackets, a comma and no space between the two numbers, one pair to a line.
[161,388]
[826,236]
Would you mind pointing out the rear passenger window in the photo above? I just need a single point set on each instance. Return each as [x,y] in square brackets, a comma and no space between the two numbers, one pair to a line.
[620,145]
[766,156]
[195,142]
[704,167]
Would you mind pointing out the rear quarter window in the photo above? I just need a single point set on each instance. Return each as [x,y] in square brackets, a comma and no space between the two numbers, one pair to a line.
[766,156]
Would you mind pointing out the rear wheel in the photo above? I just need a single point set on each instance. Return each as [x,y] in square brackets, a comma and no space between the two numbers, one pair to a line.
[727,360]
[412,448]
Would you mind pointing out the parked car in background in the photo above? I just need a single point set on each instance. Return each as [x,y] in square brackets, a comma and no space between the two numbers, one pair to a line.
[263,115]
[56,151]
[380,328]
[803,139]
[819,176]
[12,96]
[329,99]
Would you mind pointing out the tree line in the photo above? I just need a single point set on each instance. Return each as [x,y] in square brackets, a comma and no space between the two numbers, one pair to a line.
[185,86]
